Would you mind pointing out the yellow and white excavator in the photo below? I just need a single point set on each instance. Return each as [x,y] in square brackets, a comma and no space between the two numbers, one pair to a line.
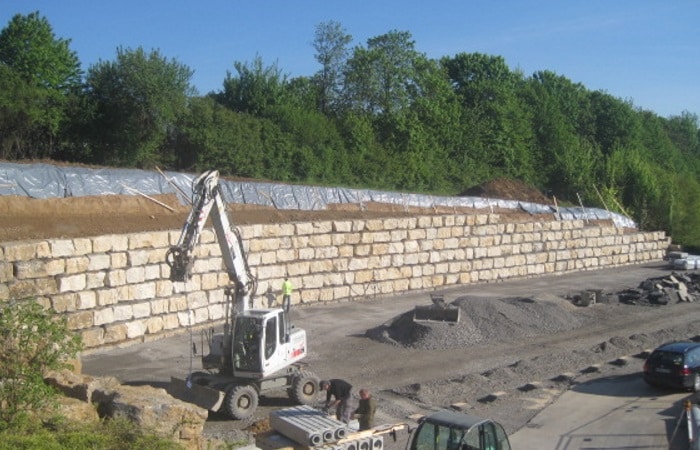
[259,350]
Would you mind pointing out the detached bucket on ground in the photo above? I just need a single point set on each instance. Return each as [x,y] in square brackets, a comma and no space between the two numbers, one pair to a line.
[439,311]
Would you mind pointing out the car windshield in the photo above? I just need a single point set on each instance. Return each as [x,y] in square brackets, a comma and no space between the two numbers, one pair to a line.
[667,358]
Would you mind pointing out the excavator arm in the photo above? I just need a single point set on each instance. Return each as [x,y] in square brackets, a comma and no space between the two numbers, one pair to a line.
[207,202]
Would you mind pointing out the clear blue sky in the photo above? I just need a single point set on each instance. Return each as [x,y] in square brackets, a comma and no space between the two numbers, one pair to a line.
[645,51]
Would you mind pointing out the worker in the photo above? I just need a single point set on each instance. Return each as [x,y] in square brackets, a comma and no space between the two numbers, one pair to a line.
[338,396]
[287,294]
[366,409]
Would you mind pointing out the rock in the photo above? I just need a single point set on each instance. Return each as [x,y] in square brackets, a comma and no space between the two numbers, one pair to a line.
[153,409]
[80,387]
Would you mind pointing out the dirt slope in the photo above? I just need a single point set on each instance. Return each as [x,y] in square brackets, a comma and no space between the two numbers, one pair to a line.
[25,218]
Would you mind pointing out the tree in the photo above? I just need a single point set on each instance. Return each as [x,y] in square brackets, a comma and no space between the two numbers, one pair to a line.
[499,123]
[331,45]
[255,89]
[380,79]
[138,99]
[39,71]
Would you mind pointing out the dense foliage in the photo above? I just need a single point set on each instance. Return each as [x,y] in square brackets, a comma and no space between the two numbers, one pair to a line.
[380,115]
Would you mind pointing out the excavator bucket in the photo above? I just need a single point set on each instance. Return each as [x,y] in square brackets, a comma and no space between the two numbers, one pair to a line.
[202,396]
[439,311]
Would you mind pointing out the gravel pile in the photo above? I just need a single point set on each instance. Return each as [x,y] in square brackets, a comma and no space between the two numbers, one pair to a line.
[484,320]
[493,320]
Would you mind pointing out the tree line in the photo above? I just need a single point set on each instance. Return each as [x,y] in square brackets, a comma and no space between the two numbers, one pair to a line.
[378,115]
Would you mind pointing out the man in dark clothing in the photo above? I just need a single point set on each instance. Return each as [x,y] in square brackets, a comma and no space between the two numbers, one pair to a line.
[366,410]
[338,395]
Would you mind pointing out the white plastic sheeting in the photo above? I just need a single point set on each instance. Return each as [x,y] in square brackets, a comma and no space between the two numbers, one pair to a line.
[49,181]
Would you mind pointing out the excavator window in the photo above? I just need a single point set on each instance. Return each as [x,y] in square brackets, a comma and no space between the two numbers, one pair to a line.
[270,337]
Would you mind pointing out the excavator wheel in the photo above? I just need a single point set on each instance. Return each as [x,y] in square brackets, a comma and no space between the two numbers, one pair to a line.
[241,401]
[304,388]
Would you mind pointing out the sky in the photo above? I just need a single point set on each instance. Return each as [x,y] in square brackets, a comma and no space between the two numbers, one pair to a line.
[643,51]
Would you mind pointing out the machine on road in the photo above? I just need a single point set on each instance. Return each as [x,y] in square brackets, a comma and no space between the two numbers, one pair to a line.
[259,350]
[452,430]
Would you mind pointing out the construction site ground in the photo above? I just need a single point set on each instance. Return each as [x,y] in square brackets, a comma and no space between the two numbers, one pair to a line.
[518,346]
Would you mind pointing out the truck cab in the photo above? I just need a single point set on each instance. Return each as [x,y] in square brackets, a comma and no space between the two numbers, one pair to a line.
[451,430]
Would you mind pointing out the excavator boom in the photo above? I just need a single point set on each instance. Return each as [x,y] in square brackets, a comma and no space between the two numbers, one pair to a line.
[207,202]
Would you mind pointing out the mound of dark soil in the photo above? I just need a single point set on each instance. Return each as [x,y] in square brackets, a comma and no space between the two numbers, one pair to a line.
[508,189]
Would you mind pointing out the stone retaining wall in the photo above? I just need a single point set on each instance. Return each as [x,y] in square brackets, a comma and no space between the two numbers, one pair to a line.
[115,289]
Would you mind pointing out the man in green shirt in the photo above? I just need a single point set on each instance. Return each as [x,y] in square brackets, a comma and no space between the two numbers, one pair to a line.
[366,409]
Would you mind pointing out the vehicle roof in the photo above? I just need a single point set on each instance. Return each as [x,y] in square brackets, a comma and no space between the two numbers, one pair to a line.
[679,347]
[454,418]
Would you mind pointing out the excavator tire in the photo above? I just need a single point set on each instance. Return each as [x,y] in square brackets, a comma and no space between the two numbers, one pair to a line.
[241,401]
[305,388]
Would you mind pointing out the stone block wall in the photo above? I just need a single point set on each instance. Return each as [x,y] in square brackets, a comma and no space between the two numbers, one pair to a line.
[115,289]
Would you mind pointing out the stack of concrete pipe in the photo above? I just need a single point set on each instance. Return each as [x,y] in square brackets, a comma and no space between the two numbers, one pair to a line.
[315,429]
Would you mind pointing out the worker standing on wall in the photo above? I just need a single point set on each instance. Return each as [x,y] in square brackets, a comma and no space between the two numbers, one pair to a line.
[287,294]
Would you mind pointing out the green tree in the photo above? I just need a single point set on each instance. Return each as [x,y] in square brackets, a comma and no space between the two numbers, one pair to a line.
[499,122]
[381,78]
[255,89]
[212,136]
[39,71]
[137,100]
[32,341]
[331,46]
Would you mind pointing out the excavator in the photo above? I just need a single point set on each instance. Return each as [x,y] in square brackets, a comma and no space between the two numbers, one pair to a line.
[259,350]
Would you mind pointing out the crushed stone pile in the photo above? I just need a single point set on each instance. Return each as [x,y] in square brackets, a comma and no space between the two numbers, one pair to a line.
[485,320]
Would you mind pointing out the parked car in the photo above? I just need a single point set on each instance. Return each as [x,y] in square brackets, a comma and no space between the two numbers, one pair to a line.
[675,365]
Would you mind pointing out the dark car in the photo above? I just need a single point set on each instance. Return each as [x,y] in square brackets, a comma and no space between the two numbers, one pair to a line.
[675,365]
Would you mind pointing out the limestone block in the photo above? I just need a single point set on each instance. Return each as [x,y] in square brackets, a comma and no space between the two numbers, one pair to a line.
[6,272]
[29,269]
[118,260]
[177,303]
[201,315]
[342,226]
[82,246]
[19,251]
[103,316]
[216,311]
[141,310]
[123,312]
[154,325]
[142,291]
[62,248]
[321,265]
[304,253]
[135,329]
[86,300]
[322,240]
[135,275]
[78,264]
[106,297]
[197,299]
[171,321]
[64,302]
[80,320]
[72,283]
[93,337]
[303,228]
[152,272]
[95,280]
